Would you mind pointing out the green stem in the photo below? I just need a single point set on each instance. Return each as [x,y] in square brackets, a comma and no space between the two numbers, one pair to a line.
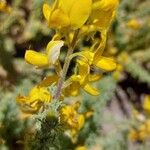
[66,66]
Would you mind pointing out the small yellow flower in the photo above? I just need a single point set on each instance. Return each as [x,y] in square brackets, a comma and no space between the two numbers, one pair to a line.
[4,7]
[49,80]
[146,104]
[3,4]
[72,120]
[104,63]
[82,80]
[45,59]
[67,13]
[142,132]
[35,100]
[134,24]
[81,148]
[133,135]
[103,12]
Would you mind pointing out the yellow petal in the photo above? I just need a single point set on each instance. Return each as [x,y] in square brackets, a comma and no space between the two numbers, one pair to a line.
[88,114]
[59,19]
[84,69]
[72,89]
[99,51]
[91,90]
[46,11]
[53,50]
[37,59]
[76,105]
[88,56]
[105,5]
[48,81]
[146,104]
[81,121]
[104,20]
[40,94]
[103,12]
[81,148]
[80,12]
[21,99]
[66,5]
[94,77]
[3,4]
[107,64]
[75,78]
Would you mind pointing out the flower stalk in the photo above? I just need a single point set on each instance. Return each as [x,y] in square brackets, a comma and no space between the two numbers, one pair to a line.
[66,65]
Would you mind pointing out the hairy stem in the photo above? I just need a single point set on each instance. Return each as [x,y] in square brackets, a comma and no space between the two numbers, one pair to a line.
[66,66]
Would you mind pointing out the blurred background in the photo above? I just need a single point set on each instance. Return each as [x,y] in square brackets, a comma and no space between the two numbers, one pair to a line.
[123,108]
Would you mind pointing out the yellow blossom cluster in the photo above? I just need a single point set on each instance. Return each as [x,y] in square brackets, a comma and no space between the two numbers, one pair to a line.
[72,20]
[4,7]
[69,16]
[71,119]
[142,131]
[36,98]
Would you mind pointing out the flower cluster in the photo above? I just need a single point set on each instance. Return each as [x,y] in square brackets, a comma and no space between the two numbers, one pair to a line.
[73,21]
[35,100]
[142,131]
[70,17]
[71,119]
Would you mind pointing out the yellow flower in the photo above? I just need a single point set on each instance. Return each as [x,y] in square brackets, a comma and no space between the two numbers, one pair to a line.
[103,63]
[45,59]
[142,133]
[83,77]
[71,118]
[76,82]
[67,13]
[103,12]
[133,135]
[81,148]
[134,24]
[147,123]
[35,100]
[47,81]
[4,7]
[2,4]
[82,80]
[146,104]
